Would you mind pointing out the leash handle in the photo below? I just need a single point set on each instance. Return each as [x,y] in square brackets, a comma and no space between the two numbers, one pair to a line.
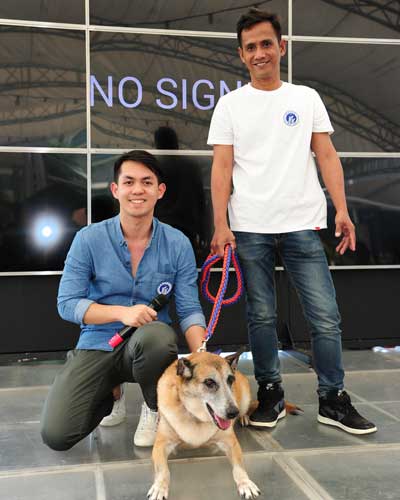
[218,300]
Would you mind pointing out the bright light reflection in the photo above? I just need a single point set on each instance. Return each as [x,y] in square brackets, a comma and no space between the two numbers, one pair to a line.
[46,230]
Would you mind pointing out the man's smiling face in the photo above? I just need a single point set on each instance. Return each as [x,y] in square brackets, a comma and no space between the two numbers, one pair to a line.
[137,189]
[261,52]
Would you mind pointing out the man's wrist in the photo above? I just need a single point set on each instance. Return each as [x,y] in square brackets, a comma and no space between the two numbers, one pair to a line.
[221,224]
[342,211]
[119,312]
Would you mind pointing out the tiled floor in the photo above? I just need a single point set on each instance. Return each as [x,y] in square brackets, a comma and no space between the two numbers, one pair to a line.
[299,459]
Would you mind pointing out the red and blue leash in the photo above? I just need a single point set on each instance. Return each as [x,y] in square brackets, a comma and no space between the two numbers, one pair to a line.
[218,300]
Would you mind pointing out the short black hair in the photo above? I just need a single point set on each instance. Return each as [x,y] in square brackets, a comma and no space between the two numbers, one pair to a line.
[255,16]
[139,156]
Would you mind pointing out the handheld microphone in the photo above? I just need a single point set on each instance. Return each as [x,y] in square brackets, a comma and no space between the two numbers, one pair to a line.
[157,304]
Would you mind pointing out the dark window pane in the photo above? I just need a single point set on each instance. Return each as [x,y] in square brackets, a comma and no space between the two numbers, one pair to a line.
[54,11]
[358,84]
[42,204]
[142,82]
[186,204]
[42,87]
[207,15]
[373,198]
[346,18]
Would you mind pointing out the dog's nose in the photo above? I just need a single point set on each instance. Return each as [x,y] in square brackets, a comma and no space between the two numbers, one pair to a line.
[232,412]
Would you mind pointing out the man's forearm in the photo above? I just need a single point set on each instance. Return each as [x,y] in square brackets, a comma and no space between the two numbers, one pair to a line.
[220,193]
[194,337]
[331,169]
[99,314]
[221,183]
[332,175]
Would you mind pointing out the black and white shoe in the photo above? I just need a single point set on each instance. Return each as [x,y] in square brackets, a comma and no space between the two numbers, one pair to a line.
[336,409]
[271,406]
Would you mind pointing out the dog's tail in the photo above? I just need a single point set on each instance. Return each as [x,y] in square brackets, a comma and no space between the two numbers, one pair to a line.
[293,409]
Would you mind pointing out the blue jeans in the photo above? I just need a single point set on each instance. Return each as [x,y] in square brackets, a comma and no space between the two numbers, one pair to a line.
[304,259]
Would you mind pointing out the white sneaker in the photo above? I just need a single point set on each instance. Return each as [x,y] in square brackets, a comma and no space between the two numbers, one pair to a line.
[145,434]
[118,413]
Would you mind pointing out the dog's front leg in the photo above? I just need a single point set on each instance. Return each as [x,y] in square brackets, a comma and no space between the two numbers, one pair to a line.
[230,445]
[161,450]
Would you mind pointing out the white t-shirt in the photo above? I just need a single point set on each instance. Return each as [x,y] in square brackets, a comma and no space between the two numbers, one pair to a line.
[275,181]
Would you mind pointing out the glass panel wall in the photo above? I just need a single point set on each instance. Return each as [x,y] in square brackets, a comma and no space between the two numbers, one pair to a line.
[43,204]
[42,87]
[207,15]
[53,11]
[157,90]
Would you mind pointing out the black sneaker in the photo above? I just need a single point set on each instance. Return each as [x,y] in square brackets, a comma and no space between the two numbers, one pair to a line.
[336,409]
[271,406]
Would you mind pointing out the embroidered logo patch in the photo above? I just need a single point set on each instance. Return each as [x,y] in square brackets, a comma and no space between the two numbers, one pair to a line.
[291,118]
[164,288]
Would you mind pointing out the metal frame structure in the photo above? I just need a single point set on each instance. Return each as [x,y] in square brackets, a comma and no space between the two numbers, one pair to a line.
[348,112]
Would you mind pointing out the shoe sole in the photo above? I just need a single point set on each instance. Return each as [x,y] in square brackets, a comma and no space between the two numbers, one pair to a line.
[282,414]
[113,422]
[144,443]
[350,430]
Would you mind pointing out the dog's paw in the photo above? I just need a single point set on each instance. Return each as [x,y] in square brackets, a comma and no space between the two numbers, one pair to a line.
[247,489]
[244,420]
[158,491]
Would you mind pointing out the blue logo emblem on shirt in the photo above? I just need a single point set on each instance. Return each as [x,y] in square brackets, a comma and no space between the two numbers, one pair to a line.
[291,118]
[164,288]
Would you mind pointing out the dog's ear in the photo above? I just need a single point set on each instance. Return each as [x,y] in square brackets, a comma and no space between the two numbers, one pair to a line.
[233,359]
[184,368]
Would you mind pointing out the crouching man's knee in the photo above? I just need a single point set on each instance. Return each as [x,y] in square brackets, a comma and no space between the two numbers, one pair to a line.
[54,439]
[57,433]
[157,342]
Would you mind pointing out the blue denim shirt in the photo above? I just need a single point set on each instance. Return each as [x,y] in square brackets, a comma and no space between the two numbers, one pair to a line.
[98,269]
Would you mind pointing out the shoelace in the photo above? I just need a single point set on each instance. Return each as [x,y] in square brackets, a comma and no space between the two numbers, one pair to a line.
[345,402]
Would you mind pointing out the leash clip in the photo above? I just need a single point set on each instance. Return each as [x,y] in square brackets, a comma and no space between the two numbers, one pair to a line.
[203,347]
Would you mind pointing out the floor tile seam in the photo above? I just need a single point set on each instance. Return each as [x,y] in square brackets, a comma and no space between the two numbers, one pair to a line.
[298,362]
[362,372]
[261,437]
[309,373]
[100,484]
[374,405]
[303,479]
[336,450]
[21,388]
[76,468]
[112,465]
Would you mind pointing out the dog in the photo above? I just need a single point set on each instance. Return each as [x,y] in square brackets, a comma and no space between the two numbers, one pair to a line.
[199,399]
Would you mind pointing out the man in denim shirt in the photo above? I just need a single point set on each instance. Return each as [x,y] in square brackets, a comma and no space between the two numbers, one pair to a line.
[113,269]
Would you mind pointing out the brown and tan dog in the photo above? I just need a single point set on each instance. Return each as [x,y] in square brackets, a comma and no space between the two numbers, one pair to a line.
[199,399]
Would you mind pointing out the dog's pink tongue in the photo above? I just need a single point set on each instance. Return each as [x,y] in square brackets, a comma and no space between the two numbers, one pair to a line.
[223,424]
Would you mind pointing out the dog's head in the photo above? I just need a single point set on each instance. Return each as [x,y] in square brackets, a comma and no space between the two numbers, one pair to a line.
[207,387]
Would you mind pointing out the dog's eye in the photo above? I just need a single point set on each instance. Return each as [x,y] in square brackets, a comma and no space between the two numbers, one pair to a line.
[210,383]
[230,379]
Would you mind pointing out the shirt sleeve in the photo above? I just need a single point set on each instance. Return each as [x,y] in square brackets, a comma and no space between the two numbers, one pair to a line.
[221,130]
[321,121]
[186,292]
[72,301]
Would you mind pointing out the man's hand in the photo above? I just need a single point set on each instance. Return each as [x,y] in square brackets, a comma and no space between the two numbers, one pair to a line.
[222,236]
[138,315]
[345,227]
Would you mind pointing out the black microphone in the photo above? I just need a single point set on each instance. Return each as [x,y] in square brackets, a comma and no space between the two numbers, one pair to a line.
[157,304]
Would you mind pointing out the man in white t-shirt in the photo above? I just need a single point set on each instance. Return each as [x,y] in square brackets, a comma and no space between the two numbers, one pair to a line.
[263,136]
